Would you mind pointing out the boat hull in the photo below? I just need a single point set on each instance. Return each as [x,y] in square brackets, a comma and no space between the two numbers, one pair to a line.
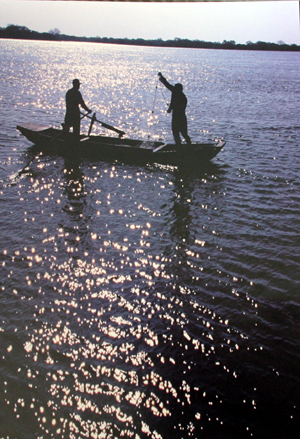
[53,141]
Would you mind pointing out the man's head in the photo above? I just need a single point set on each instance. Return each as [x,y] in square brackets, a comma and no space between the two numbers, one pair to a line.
[76,83]
[178,87]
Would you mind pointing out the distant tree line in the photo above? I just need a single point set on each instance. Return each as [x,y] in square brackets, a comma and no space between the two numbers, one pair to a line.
[22,32]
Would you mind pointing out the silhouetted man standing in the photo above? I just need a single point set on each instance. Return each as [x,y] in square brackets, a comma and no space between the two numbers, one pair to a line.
[177,107]
[72,117]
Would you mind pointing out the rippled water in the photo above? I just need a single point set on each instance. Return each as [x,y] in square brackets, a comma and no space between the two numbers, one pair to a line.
[151,301]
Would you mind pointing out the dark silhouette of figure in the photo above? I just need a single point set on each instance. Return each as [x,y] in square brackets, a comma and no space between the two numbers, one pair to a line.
[72,117]
[177,107]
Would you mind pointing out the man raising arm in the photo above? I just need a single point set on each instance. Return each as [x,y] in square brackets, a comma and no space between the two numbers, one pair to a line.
[177,108]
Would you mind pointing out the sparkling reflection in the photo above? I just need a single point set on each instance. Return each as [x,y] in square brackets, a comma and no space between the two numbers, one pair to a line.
[139,301]
[120,330]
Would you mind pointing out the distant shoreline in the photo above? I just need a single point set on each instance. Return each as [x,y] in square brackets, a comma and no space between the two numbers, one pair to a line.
[23,33]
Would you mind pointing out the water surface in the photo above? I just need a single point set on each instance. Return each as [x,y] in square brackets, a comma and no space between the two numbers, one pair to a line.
[151,301]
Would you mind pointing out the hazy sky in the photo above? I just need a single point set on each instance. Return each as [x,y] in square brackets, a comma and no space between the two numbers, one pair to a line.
[209,21]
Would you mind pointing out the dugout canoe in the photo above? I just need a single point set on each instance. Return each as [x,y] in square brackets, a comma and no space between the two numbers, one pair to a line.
[51,140]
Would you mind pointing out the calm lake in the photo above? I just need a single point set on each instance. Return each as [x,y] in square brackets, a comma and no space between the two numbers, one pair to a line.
[151,301]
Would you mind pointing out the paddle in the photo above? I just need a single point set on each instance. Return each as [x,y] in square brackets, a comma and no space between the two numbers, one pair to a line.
[63,125]
[105,125]
[93,118]
[83,115]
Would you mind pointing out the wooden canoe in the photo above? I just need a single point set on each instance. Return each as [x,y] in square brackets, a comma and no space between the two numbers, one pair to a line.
[54,141]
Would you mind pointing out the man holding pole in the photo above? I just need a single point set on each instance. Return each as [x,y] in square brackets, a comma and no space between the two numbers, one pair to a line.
[177,107]
[72,117]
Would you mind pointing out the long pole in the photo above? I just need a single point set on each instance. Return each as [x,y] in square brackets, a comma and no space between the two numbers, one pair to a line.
[105,125]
